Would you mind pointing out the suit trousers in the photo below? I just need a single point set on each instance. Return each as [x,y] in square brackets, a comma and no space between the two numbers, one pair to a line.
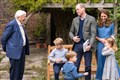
[57,67]
[17,67]
[88,59]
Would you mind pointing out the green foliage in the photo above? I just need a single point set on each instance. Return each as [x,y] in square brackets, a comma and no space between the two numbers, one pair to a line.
[28,5]
[118,52]
[83,1]
[56,1]
[117,13]
[41,70]
[117,17]
[109,1]
[95,1]
[34,5]
[39,29]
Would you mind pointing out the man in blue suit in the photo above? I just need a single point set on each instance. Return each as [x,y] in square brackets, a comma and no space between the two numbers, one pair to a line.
[16,45]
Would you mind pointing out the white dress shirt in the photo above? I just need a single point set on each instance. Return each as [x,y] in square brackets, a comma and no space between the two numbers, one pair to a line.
[22,32]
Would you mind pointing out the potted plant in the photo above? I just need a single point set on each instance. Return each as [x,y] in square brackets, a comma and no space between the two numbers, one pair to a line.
[40,35]
[37,36]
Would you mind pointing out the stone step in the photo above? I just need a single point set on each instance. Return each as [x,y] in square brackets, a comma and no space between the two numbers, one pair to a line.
[4,63]
[1,48]
[4,75]
[33,62]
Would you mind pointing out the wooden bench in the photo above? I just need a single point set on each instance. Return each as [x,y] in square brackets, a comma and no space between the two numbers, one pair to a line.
[82,66]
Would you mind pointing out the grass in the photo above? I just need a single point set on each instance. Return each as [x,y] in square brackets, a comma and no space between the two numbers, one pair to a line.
[41,70]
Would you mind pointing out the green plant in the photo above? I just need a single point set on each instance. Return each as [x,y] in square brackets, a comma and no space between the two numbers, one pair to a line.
[116,17]
[35,5]
[117,53]
[39,26]
[41,70]
[40,32]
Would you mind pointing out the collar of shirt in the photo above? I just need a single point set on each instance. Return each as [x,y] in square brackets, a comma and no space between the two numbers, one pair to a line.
[18,22]
[60,49]
[70,62]
[83,17]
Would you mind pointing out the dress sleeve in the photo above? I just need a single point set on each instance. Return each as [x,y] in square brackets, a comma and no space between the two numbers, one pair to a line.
[107,52]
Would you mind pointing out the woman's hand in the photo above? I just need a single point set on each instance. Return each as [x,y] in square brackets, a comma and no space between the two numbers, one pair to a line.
[101,39]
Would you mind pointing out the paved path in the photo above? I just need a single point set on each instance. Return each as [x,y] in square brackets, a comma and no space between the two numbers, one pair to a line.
[33,61]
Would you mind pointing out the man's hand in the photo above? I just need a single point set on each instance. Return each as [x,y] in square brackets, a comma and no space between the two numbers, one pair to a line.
[88,48]
[76,39]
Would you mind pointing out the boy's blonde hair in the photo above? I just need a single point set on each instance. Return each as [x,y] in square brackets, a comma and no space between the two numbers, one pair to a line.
[70,54]
[112,42]
[58,41]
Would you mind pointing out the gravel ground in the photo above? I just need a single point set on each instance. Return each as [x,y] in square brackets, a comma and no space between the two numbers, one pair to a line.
[33,61]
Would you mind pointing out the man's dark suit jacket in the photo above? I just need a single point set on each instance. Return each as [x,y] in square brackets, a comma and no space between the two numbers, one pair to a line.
[12,41]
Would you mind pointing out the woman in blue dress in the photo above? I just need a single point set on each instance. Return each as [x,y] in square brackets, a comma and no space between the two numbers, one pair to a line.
[105,29]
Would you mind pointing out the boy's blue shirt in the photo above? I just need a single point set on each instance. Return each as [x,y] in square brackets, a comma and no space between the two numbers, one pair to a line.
[70,71]
[57,54]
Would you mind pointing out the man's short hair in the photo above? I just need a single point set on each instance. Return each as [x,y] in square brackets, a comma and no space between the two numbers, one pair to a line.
[81,5]
[70,54]
[58,41]
[19,13]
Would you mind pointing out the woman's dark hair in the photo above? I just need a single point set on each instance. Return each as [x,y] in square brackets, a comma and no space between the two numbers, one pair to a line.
[108,21]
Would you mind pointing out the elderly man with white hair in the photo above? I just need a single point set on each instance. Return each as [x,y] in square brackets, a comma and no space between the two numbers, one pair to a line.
[16,45]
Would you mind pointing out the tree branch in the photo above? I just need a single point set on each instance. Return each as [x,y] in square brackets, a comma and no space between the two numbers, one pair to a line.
[29,16]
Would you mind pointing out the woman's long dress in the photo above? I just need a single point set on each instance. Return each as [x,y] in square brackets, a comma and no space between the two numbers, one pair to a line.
[103,32]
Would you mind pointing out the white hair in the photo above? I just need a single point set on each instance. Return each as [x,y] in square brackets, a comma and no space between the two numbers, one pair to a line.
[19,13]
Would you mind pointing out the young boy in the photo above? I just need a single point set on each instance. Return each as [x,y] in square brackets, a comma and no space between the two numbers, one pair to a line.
[58,57]
[69,69]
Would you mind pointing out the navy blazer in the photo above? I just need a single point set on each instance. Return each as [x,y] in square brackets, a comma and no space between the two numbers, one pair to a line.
[12,41]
